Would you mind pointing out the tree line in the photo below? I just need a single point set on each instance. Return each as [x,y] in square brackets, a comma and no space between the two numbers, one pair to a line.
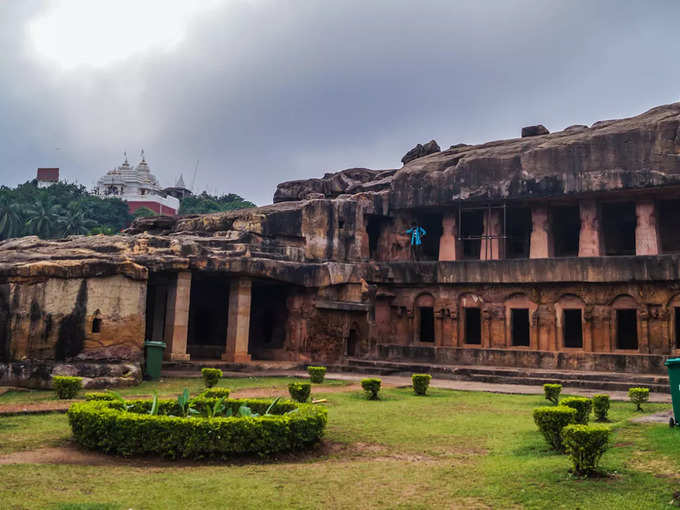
[64,209]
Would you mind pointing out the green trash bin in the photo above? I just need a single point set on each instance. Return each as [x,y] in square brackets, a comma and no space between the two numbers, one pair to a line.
[154,359]
[673,365]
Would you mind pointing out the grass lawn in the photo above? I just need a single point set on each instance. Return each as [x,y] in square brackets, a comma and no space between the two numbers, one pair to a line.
[168,388]
[450,449]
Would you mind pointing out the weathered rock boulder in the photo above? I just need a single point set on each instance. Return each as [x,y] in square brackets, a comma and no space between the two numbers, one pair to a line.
[538,130]
[421,150]
[331,185]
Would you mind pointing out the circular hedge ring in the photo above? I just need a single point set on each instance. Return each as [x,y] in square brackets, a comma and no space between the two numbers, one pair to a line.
[127,428]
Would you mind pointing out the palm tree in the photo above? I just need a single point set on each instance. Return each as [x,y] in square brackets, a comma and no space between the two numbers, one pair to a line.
[43,217]
[11,222]
[75,222]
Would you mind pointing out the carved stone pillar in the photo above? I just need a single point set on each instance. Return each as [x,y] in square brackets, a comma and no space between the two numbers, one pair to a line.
[177,318]
[238,324]
[646,230]
[540,245]
[588,329]
[590,237]
[491,247]
[449,248]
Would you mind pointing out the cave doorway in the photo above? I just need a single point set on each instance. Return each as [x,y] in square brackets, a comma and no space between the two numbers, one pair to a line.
[208,315]
[268,319]
[565,225]
[669,225]
[519,227]
[432,223]
[619,221]
[158,288]
[353,341]
[471,230]
[519,326]
[375,225]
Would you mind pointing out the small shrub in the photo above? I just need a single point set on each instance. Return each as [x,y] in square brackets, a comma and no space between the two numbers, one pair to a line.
[67,387]
[300,391]
[601,406]
[552,392]
[371,387]
[99,395]
[638,396]
[582,405]
[216,393]
[211,376]
[585,444]
[551,421]
[420,383]
[316,374]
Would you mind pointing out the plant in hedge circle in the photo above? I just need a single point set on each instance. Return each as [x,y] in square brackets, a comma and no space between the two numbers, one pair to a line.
[420,383]
[211,376]
[552,392]
[601,406]
[220,428]
[300,391]
[551,421]
[316,374]
[66,387]
[99,395]
[371,387]
[638,396]
[585,445]
[582,405]
[215,393]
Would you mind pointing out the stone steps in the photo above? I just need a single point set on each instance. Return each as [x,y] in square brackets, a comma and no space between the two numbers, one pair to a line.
[611,381]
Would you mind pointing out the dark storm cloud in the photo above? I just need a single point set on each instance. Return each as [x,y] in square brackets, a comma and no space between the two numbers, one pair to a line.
[266,91]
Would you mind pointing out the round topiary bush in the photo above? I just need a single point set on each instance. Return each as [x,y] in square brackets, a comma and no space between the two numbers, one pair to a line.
[551,421]
[552,392]
[316,374]
[420,383]
[216,393]
[585,444]
[582,405]
[166,428]
[601,406]
[372,387]
[300,391]
[211,376]
[67,387]
[638,396]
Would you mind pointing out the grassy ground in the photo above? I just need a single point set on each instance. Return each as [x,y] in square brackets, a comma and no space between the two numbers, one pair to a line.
[447,450]
[167,387]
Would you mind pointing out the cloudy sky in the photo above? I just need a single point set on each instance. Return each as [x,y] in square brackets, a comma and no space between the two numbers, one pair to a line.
[262,91]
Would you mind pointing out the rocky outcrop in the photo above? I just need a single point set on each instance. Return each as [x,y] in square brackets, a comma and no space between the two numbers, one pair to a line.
[331,185]
[421,150]
[538,130]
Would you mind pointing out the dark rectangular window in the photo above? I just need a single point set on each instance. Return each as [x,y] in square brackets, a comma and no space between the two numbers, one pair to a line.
[618,228]
[519,233]
[471,229]
[473,326]
[626,328]
[565,223]
[573,328]
[519,324]
[669,225]
[426,324]
[677,326]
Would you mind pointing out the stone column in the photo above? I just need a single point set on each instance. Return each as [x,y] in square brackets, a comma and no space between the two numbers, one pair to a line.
[238,324]
[491,247]
[590,238]
[448,242]
[646,230]
[540,234]
[177,318]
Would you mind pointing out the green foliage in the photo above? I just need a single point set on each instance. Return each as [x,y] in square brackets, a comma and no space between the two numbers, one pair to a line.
[143,212]
[58,210]
[300,391]
[216,393]
[420,383]
[98,395]
[585,445]
[66,387]
[183,404]
[205,203]
[551,420]
[601,406]
[582,405]
[552,392]
[154,405]
[211,376]
[316,374]
[638,396]
[252,426]
[371,387]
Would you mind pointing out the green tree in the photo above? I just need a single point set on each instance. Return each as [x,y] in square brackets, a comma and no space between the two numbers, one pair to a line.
[143,212]
[205,203]
[43,217]
[75,222]
[11,219]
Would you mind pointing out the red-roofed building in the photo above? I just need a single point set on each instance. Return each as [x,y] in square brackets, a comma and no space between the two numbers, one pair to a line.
[47,177]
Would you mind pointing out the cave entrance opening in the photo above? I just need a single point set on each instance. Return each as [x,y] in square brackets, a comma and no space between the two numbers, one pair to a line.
[208,315]
[268,319]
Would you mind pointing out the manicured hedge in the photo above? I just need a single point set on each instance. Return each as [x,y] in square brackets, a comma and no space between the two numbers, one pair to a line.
[106,426]
[420,383]
[638,396]
[99,395]
[585,444]
[211,376]
[67,387]
[582,405]
[372,387]
[601,406]
[552,392]
[316,374]
[300,391]
[551,421]
[215,393]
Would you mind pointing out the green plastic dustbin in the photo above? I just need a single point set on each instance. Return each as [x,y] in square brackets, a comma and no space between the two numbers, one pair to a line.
[673,365]
[154,359]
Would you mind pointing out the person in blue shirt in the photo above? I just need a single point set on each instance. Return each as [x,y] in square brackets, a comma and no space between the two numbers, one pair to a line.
[417,233]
